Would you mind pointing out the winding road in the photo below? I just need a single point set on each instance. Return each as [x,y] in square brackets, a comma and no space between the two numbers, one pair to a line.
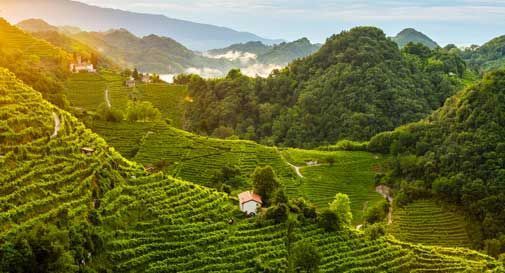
[297,169]
[57,125]
[107,100]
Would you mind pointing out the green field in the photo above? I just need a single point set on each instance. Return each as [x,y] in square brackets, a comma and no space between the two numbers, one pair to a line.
[87,91]
[352,173]
[428,223]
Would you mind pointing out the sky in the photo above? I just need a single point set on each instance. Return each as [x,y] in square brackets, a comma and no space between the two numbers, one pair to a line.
[461,22]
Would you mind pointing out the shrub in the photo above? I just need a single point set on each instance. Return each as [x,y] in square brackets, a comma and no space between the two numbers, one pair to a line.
[305,257]
[328,220]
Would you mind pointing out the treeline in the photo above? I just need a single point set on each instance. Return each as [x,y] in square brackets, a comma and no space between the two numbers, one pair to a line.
[456,154]
[357,85]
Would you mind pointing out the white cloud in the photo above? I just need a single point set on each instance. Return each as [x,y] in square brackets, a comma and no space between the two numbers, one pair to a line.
[232,55]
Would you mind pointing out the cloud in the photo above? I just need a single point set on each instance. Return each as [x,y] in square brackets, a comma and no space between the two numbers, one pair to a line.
[232,55]
[262,70]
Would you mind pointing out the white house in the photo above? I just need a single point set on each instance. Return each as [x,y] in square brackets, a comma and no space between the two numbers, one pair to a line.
[249,202]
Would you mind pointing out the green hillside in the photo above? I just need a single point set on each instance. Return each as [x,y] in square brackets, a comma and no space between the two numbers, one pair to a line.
[35,61]
[456,155]
[88,90]
[410,35]
[69,211]
[490,55]
[427,223]
[351,173]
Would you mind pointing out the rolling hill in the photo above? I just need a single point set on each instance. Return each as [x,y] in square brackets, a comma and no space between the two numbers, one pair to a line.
[489,56]
[196,36]
[410,35]
[97,211]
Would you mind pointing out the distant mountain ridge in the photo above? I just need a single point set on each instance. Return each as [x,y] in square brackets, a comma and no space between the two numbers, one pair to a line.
[196,36]
[411,35]
[280,54]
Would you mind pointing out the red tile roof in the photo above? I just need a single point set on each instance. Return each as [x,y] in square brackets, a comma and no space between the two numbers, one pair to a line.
[249,196]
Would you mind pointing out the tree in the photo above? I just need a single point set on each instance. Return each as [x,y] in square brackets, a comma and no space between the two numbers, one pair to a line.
[265,182]
[305,257]
[135,74]
[142,111]
[328,220]
[342,207]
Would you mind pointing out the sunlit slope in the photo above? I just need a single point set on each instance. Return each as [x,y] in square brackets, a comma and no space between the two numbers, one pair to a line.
[88,91]
[157,223]
[197,158]
[43,173]
[14,40]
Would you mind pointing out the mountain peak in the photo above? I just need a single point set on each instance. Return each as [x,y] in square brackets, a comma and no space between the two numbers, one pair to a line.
[36,25]
[408,35]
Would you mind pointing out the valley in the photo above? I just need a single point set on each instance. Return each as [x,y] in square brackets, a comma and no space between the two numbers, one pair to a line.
[367,153]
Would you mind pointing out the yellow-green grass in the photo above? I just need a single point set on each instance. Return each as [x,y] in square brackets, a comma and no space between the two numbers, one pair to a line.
[351,173]
[197,158]
[426,222]
[87,91]
[13,39]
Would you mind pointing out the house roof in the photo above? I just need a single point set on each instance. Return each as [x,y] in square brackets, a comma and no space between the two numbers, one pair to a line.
[247,196]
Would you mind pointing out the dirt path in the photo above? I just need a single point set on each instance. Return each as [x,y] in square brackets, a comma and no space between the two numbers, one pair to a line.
[107,100]
[297,169]
[386,192]
[57,125]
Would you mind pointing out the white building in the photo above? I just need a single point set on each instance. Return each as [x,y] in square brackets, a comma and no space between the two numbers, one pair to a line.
[249,202]
[82,66]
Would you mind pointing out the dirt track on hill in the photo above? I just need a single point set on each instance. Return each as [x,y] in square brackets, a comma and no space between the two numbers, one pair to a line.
[57,125]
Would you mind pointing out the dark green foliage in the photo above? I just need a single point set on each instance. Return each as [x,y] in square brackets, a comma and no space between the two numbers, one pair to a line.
[228,177]
[456,154]
[375,231]
[265,182]
[43,249]
[109,114]
[305,257]
[489,56]
[357,85]
[307,209]
[377,213]
[328,220]
[279,213]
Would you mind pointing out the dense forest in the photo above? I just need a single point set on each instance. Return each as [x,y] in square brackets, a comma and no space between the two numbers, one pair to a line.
[456,154]
[491,55]
[357,85]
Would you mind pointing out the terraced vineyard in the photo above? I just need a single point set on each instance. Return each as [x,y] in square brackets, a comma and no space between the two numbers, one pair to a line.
[428,223]
[15,40]
[87,91]
[161,224]
[196,158]
[351,173]
[43,176]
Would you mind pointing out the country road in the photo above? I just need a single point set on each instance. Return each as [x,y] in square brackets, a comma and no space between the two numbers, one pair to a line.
[107,100]
[297,169]
[57,125]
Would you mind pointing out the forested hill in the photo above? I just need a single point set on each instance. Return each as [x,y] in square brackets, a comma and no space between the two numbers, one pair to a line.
[357,85]
[280,54]
[489,56]
[457,154]
[410,35]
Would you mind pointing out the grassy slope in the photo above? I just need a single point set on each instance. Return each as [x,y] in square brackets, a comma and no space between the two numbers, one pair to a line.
[87,91]
[160,224]
[427,223]
[352,173]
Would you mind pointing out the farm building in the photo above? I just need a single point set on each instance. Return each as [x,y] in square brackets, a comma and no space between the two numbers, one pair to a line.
[80,66]
[249,202]
[130,83]
[146,78]
[87,151]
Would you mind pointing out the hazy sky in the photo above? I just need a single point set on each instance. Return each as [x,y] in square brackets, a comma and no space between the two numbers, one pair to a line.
[462,22]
